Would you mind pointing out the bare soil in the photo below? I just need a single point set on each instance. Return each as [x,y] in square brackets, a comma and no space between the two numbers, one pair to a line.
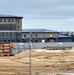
[43,62]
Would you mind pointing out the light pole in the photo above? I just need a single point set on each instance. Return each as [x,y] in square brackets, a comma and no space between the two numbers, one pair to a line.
[30,54]
[18,48]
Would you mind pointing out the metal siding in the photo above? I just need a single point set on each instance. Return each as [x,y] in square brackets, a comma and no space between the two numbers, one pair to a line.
[65,39]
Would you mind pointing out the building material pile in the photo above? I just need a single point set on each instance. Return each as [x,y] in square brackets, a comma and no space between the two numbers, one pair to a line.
[5,48]
[57,47]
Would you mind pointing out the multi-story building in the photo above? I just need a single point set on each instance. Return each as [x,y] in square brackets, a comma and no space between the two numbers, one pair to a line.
[11,31]
[10,28]
[9,22]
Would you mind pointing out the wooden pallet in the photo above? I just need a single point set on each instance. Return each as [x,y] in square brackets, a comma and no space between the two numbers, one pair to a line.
[2,49]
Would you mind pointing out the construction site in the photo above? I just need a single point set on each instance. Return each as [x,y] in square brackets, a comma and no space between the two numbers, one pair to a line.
[43,62]
[36,37]
[52,60]
[34,51]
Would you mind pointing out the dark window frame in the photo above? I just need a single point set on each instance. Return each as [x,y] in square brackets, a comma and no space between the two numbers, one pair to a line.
[1,33]
[4,33]
[31,40]
[18,20]
[12,40]
[4,20]
[8,40]
[36,35]
[24,40]
[18,27]
[9,33]
[8,20]
[13,33]
[4,40]
[24,35]
[12,20]
[18,33]
[36,40]
[18,40]
[0,20]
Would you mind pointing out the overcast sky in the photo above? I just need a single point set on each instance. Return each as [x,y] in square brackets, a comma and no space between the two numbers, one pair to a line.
[46,14]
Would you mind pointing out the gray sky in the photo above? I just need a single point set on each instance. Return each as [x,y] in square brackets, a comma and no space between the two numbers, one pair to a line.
[48,14]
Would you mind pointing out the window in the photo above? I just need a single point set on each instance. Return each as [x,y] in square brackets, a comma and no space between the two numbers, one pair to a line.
[18,27]
[12,20]
[9,25]
[51,40]
[24,40]
[4,20]
[36,35]
[8,33]
[5,25]
[18,20]
[1,39]
[0,33]
[13,33]
[9,40]
[0,25]
[36,40]
[4,33]
[13,25]
[24,35]
[0,20]
[12,40]
[5,40]
[8,20]
[31,40]
[18,40]
[18,33]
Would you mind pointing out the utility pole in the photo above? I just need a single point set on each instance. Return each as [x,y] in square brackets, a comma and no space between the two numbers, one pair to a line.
[30,55]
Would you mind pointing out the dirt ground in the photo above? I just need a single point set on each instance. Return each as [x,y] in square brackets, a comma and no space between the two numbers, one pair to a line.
[43,62]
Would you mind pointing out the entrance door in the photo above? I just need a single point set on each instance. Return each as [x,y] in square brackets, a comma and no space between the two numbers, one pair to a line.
[50,40]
